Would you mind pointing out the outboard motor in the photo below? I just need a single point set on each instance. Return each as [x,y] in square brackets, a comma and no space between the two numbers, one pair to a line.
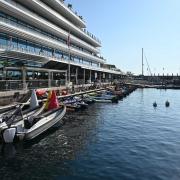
[9,134]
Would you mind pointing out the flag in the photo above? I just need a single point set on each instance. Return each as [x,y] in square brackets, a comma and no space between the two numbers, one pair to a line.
[68,40]
[53,103]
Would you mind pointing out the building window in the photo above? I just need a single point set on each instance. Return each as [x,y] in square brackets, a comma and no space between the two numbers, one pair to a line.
[22,44]
[3,39]
[13,75]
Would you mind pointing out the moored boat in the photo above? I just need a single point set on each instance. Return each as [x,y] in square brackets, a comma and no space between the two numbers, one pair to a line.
[75,102]
[41,123]
[11,117]
[35,124]
[105,97]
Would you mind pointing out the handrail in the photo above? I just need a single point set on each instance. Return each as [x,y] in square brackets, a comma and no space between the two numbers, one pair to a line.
[36,32]
[54,58]
[35,15]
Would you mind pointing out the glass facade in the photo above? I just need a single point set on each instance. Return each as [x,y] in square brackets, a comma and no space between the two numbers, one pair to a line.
[24,25]
[24,45]
[13,75]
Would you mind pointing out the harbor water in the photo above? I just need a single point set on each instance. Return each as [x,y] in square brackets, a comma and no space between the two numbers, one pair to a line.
[129,140]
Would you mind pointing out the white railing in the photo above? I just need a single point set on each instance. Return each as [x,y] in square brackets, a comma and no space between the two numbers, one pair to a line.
[71,10]
[6,85]
[38,17]
[8,21]
[25,50]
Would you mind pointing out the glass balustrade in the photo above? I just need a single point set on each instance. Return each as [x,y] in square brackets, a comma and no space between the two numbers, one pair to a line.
[24,26]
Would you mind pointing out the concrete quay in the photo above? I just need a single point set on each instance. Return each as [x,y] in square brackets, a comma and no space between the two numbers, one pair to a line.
[9,97]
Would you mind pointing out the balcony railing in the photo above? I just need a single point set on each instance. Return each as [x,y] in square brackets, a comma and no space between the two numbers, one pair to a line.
[9,85]
[35,15]
[6,85]
[74,12]
[31,84]
[35,53]
[34,31]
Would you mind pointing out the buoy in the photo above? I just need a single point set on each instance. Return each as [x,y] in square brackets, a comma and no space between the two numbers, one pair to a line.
[167,104]
[155,104]
[34,101]
[40,92]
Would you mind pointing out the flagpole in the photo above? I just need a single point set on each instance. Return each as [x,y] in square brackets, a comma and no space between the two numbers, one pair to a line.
[69,66]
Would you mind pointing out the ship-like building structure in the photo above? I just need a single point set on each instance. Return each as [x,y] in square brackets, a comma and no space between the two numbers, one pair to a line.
[44,43]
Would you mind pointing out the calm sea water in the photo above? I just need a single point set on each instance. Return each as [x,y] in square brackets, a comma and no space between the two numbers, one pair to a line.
[129,140]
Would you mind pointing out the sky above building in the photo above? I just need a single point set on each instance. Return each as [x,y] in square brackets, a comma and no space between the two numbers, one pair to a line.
[126,26]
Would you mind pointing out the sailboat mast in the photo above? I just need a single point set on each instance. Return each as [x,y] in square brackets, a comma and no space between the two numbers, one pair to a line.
[142,63]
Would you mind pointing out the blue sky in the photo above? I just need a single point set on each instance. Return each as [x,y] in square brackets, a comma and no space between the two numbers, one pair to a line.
[125,26]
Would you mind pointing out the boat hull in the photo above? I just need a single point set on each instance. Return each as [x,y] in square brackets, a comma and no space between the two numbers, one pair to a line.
[44,124]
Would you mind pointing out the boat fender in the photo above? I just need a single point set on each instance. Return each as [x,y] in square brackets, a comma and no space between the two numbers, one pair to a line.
[9,134]
[167,104]
[34,101]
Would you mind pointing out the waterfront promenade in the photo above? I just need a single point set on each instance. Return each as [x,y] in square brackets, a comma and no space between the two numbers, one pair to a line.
[7,97]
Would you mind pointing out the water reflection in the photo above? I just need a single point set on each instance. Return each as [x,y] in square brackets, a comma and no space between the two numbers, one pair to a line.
[8,150]
[129,140]
[50,151]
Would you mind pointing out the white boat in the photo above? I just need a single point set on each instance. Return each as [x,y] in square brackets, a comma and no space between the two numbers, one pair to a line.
[23,101]
[106,99]
[46,121]
[14,116]
[19,113]
[34,124]
[7,108]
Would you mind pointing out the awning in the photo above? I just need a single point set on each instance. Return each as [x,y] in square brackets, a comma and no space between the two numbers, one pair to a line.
[23,56]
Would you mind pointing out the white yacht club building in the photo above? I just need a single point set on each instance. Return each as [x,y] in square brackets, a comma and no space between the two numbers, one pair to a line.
[44,43]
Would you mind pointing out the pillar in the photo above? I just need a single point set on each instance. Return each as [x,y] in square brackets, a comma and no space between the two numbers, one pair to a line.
[110,77]
[66,78]
[49,79]
[24,78]
[95,75]
[104,77]
[76,75]
[84,76]
[100,76]
[90,76]
[69,73]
